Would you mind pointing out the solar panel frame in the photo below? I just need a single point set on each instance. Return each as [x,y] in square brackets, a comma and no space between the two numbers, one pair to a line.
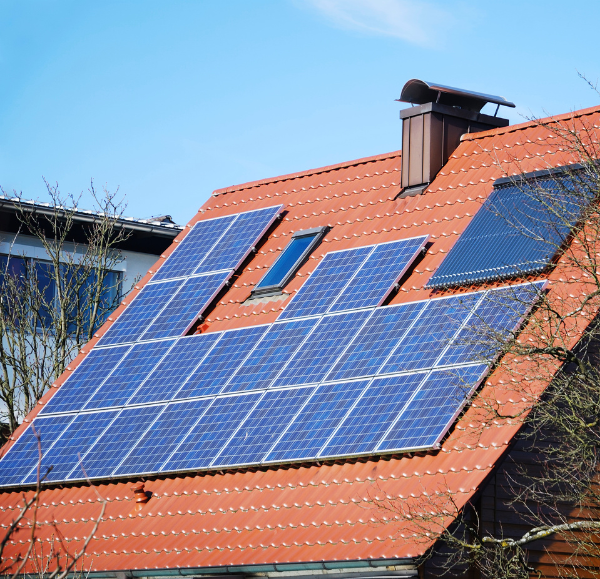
[178,256]
[235,260]
[350,298]
[183,310]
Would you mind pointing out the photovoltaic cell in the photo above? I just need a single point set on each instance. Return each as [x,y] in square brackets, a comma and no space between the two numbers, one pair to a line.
[195,246]
[263,426]
[237,243]
[163,437]
[77,439]
[430,334]
[325,283]
[495,318]
[321,349]
[373,344]
[185,307]
[374,413]
[222,361]
[84,381]
[128,375]
[23,455]
[137,316]
[129,426]
[375,279]
[172,371]
[208,436]
[317,421]
[429,414]
[270,355]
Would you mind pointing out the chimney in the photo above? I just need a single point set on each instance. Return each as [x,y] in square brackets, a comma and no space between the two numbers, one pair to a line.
[432,130]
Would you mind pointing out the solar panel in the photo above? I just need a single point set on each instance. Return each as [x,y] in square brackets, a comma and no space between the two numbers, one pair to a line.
[431,412]
[517,231]
[211,432]
[128,375]
[221,362]
[317,421]
[194,247]
[78,437]
[140,312]
[185,307]
[23,455]
[368,421]
[430,334]
[163,437]
[326,282]
[491,325]
[85,380]
[375,341]
[116,441]
[269,356]
[263,426]
[237,243]
[375,279]
[321,349]
[172,371]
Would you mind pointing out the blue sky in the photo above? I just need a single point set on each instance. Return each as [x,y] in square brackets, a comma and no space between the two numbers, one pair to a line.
[171,100]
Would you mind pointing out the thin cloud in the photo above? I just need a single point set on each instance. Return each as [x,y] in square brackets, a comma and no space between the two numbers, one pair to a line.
[421,23]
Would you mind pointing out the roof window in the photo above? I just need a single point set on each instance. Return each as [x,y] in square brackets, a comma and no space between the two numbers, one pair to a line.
[293,256]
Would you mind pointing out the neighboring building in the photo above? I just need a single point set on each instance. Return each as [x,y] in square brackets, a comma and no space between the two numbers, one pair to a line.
[220,490]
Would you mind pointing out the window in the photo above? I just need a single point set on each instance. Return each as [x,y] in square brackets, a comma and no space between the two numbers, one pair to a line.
[287,264]
[78,287]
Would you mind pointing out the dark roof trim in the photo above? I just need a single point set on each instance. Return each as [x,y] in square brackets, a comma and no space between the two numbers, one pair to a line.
[128,223]
[537,174]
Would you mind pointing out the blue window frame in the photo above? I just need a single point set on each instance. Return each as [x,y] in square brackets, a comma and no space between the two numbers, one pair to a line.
[293,256]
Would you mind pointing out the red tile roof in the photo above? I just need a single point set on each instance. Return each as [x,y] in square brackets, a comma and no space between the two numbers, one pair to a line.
[312,512]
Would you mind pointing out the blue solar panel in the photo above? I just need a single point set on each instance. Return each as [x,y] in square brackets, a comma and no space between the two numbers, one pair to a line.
[264,425]
[378,408]
[237,243]
[270,355]
[172,371]
[326,282]
[318,420]
[116,441]
[222,361]
[80,435]
[430,413]
[195,246]
[163,437]
[185,307]
[86,378]
[23,455]
[375,279]
[321,349]
[132,323]
[517,231]
[491,325]
[373,344]
[128,375]
[430,334]
[208,436]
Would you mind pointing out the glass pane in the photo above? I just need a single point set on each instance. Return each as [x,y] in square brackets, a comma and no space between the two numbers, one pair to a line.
[291,254]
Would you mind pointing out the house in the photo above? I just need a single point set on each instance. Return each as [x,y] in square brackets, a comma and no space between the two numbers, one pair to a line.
[315,515]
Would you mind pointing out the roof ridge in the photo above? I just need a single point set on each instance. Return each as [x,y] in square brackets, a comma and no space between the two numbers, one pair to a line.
[305,173]
[529,124]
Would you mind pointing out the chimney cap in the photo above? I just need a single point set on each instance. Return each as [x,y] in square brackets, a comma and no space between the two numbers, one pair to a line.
[419,92]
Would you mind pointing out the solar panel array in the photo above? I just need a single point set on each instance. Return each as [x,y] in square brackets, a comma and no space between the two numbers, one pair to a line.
[380,379]
[190,277]
[517,231]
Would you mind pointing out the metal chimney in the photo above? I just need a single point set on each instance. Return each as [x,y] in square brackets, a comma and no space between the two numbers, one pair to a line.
[432,130]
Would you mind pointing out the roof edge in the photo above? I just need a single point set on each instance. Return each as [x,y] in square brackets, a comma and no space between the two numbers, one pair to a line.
[316,171]
[529,124]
